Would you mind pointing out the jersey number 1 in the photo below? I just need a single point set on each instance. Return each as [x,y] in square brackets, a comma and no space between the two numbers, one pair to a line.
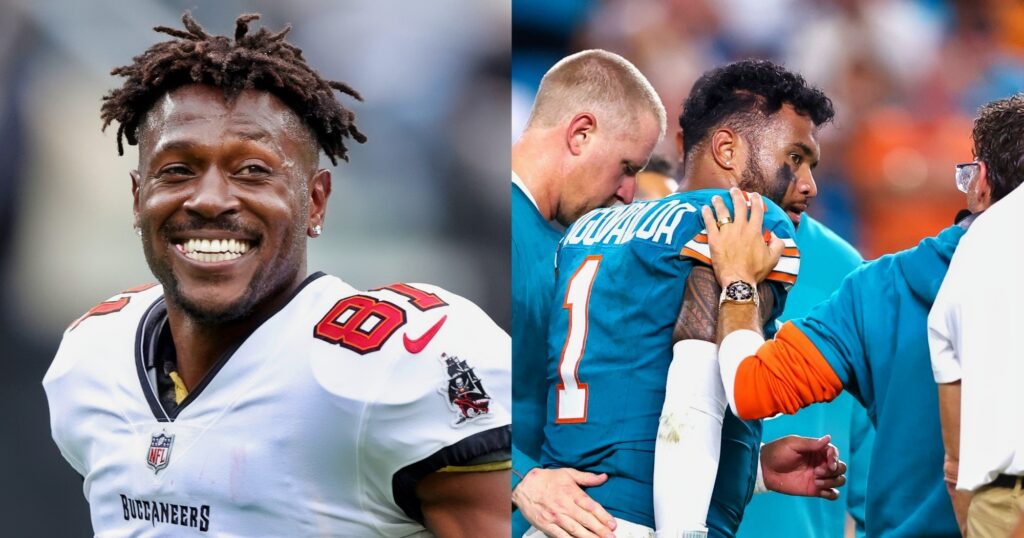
[572,394]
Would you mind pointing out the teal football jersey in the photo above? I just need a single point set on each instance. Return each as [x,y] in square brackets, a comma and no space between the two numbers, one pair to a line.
[621,274]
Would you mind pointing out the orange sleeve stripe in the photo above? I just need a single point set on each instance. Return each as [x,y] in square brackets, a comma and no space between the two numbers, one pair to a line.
[694,254]
[786,375]
[792,252]
[781,277]
[788,251]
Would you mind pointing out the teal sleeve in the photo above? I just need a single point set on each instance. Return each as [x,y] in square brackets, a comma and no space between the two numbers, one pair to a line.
[521,464]
[836,328]
[859,462]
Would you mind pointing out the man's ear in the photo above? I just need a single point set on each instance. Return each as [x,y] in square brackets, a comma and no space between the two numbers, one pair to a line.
[136,184]
[982,185]
[319,192]
[726,147]
[580,132]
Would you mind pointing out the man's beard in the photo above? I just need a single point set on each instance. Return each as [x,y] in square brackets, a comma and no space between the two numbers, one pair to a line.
[754,179]
[260,286]
[237,310]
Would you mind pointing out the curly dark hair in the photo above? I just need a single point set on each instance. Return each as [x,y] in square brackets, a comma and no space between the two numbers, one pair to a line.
[744,92]
[262,61]
[999,142]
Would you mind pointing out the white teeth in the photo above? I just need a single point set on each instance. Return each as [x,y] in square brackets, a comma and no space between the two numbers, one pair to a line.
[211,257]
[214,250]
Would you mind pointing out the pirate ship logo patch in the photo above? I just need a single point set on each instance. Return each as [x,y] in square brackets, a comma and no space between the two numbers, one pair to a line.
[464,392]
[159,454]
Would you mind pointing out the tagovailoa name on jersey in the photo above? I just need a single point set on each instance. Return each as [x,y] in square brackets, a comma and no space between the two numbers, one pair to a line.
[167,513]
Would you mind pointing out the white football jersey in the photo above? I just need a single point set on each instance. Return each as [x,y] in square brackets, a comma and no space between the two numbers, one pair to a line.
[320,423]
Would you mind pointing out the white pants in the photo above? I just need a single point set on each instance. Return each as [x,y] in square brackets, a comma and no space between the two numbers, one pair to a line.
[623,529]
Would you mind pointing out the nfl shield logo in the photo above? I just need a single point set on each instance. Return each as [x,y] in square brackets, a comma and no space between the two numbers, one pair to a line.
[159,451]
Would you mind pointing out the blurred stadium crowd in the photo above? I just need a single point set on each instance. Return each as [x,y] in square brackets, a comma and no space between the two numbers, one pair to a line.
[429,185]
[906,76]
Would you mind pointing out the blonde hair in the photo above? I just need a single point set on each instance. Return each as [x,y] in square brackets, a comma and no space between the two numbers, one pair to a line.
[599,82]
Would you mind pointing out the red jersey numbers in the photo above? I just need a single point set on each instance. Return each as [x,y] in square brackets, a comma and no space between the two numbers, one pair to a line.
[420,299]
[111,306]
[106,307]
[364,324]
[360,323]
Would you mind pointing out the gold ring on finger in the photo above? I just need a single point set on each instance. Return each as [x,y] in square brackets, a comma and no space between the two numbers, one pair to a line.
[723,221]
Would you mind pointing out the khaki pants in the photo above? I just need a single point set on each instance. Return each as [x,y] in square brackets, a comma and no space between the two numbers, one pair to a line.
[995,511]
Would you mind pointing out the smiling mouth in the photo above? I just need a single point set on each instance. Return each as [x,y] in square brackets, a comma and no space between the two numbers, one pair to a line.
[214,250]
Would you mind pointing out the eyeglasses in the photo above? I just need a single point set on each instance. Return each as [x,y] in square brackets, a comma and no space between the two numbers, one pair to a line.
[965,174]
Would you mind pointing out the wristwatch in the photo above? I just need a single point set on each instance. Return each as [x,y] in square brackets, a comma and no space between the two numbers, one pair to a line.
[739,292]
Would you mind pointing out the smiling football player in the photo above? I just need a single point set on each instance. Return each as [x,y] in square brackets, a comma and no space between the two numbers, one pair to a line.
[244,395]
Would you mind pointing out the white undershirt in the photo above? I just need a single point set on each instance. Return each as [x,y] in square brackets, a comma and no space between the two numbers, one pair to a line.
[973,332]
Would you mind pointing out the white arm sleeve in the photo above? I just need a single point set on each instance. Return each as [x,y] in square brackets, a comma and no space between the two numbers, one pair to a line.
[735,347]
[689,440]
[943,336]
[759,486]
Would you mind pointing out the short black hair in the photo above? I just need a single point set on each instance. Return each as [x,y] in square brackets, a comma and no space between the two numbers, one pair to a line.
[744,91]
[999,142]
[262,61]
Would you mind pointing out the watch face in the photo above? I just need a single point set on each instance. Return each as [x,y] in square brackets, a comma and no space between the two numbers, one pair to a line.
[739,291]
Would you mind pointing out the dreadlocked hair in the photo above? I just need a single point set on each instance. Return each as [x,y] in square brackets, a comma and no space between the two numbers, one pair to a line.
[262,61]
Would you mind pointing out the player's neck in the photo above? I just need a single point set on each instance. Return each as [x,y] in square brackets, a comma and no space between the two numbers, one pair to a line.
[705,176]
[199,344]
[532,162]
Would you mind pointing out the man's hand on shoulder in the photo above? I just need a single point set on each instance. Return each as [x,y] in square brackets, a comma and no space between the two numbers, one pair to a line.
[737,243]
[554,502]
[803,466]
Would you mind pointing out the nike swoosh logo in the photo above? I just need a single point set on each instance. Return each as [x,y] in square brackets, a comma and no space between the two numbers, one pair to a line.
[415,345]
